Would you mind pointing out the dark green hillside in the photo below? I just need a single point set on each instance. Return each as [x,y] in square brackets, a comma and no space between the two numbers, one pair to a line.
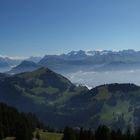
[58,102]
[41,91]
[15,124]
[3,76]
[42,86]
[116,105]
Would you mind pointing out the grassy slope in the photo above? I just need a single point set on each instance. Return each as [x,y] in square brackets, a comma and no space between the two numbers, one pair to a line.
[44,136]
[49,135]
[9,138]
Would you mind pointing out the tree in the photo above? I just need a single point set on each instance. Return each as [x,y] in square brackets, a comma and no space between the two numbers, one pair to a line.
[37,135]
[102,133]
[69,134]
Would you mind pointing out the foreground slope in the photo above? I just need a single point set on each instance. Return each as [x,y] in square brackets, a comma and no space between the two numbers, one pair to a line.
[48,135]
[15,124]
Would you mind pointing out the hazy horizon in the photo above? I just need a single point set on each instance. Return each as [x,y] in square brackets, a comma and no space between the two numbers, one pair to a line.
[100,50]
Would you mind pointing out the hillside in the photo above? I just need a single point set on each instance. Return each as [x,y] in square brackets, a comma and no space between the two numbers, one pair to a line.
[41,91]
[45,135]
[58,102]
[115,105]
[15,124]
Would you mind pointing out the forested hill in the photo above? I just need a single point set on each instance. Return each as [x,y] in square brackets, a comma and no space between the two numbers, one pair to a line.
[16,124]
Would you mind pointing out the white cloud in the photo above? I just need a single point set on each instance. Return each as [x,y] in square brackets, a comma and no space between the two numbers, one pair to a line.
[14,57]
[92,79]
[18,58]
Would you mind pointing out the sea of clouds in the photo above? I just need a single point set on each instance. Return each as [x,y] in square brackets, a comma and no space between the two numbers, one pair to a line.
[94,78]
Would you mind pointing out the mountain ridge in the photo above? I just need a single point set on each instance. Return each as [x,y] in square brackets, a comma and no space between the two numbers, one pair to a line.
[92,60]
[24,66]
[87,61]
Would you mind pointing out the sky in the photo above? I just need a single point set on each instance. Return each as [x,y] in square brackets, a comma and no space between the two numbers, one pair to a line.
[39,27]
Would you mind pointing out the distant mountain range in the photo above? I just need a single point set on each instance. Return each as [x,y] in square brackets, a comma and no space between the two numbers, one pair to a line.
[58,102]
[85,61]
[24,66]
[93,60]
[6,63]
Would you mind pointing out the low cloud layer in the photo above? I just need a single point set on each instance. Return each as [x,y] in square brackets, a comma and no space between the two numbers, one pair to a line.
[92,79]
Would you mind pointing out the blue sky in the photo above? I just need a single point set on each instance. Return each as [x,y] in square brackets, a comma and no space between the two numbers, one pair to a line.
[38,27]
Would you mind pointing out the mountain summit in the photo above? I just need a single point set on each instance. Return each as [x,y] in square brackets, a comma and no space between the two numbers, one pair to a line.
[40,91]
[92,61]
[24,66]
